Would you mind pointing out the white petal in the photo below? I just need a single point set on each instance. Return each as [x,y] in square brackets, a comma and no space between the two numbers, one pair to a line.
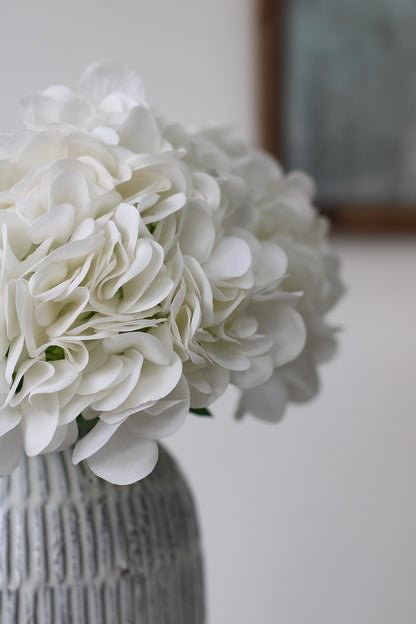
[198,233]
[155,382]
[13,357]
[106,134]
[301,378]
[46,282]
[148,345]
[230,258]
[38,110]
[39,422]
[124,459]
[68,186]
[64,374]
[116,396]
[37,374]
[73,408]
[228,355]
[267,401]
[106,77]
[9,418]
[140,132]
[10,451]
[158,290]
[101,378]
[93,441]
[269,266]
[74,305]
[209,189]
[207,384]
[165,417]
[289,335]
[163,208]
[57,223]
[65,435]
[261,369]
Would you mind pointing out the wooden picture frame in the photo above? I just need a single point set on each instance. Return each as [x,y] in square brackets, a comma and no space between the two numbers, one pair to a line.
[272,33]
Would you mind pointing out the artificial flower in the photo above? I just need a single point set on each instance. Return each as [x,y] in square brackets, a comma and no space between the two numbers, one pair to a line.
[145,268]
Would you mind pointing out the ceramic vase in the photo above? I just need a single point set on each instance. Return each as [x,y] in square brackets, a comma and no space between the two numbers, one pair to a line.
[75,549]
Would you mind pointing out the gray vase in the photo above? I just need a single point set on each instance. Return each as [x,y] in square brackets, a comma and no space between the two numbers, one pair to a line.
[75,549]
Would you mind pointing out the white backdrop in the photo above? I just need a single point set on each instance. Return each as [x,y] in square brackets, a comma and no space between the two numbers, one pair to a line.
[194,56]
[312,520]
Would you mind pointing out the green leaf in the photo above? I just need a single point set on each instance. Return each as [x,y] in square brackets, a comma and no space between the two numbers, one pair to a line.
[20,384]
[120,294]
[53,353]
[200,411]
[84,425]
[88,316]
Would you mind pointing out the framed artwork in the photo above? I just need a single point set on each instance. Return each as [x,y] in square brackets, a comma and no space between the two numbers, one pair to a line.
[338,100]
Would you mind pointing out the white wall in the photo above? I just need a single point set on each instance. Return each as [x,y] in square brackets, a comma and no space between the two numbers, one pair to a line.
[195,56]
[312,520]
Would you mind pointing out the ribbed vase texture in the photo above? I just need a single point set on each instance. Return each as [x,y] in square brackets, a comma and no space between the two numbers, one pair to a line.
[75,549]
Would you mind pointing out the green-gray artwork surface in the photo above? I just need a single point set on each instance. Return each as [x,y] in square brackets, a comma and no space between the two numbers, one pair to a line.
[350,105]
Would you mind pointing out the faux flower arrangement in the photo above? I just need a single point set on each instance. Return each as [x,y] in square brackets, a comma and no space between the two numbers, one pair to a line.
[143,270]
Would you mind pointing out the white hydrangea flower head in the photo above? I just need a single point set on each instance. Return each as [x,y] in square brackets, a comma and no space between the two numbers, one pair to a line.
[143,270]
[282,213]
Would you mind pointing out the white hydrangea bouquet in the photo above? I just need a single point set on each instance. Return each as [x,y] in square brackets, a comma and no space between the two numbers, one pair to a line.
[143,270]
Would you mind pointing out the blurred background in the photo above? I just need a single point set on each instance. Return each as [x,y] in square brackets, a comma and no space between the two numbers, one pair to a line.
[313,519]
[350,97]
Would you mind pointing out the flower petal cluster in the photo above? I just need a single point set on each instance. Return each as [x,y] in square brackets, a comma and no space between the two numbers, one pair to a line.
[281,213]
[143,270]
